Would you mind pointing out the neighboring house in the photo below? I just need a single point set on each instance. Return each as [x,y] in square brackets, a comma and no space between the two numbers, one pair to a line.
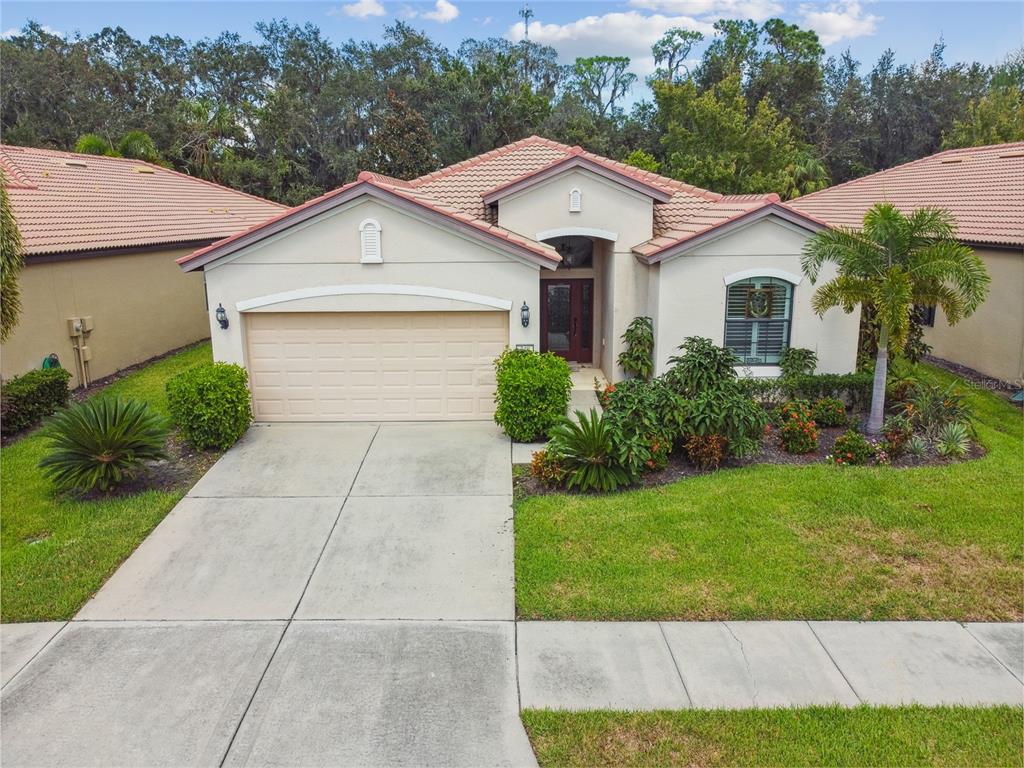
[389,299]
[100,288]
[983,187]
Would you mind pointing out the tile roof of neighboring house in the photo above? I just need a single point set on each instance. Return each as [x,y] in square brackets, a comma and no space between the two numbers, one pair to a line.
[458,192]
[66,202]
[983,187]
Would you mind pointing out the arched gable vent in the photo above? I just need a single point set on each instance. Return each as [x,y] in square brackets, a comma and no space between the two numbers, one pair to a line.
[575,200]
[369,241]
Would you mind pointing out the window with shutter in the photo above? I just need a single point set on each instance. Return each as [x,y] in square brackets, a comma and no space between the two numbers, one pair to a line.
[575,200]
[758,314]
[369,240]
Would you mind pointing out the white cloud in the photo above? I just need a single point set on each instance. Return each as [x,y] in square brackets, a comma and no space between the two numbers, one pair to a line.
[443,12]
[628,33]
[839,21]
[15,31]
[361,9]
[758,10]
[485,21]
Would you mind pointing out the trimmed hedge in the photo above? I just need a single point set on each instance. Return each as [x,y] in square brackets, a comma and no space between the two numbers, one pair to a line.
[210,404]
[27,399]
[533,393]
[853,388]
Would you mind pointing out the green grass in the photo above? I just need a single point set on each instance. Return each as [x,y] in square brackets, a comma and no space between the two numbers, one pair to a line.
[790,542]
[816,736]
[55,552]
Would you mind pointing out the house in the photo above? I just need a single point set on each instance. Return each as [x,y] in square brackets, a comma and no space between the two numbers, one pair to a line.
[983,188]
[100,288]
[389,299]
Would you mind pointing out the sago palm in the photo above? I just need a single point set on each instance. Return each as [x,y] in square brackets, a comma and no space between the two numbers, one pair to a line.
[102,442]
[892,263]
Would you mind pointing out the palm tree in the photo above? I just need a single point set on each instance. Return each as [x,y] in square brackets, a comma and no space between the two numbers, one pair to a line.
[12,259]
[892,263]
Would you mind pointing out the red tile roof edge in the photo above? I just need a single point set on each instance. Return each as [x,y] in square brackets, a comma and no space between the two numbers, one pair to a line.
[770,203]
[376,180]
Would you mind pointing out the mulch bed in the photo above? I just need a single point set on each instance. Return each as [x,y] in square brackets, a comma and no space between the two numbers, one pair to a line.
[679,466]
[181,469]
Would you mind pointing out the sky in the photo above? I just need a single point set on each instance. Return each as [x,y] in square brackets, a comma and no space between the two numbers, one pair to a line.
[974,30]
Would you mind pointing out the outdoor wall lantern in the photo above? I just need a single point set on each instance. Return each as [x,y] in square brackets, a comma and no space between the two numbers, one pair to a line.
[524,315]
[222,316]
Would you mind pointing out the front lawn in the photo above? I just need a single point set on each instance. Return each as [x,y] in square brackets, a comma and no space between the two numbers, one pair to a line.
[790,542]
[55,552]
[817,736]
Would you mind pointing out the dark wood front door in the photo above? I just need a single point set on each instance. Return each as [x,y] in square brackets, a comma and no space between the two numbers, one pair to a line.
[567,318]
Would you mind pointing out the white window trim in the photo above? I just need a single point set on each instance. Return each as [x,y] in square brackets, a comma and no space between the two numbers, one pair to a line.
[364,257]
[383,289]
[749,274]
[575,200]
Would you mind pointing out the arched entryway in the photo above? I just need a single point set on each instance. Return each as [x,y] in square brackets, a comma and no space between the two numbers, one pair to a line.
[570,304]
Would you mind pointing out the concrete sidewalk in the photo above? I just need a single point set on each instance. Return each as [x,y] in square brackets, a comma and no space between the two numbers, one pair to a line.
[738,665]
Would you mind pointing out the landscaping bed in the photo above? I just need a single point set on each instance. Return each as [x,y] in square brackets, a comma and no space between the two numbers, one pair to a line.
[59,547]
[679,466]
[812,736]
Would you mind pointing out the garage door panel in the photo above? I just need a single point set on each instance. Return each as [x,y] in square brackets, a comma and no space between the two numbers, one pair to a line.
[374,366]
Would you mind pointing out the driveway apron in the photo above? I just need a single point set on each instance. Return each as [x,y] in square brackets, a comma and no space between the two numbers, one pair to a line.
[326,594]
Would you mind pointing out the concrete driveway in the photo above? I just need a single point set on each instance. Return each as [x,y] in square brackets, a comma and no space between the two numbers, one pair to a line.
[334,594]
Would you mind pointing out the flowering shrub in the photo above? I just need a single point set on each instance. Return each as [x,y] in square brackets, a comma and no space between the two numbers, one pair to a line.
[851,447]
[706,451]
[797,431]
[829,412]
[603,393]
[897,430]
[546,467]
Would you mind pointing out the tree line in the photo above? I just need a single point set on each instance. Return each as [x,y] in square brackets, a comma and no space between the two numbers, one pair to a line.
[291,115]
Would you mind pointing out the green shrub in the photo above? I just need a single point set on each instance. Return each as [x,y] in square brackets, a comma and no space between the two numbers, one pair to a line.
[706,451]
[918,447]
[953,440]
[584,449]
[829,412]
[727,412]
[851,447]
[797,361]
[644,419]
[101,443]
[852,388]
[210,404]
[797,431]
[702,367]
[27,399]
[637,359]
[533,393]
[933,406]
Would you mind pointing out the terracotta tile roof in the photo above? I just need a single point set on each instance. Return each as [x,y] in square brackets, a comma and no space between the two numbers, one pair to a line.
[458,191]
[983,187]
[66,202]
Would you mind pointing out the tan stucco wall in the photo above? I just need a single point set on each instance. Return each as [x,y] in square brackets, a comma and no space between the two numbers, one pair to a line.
[992,339]
[691,296]
[325,251]
[142,305]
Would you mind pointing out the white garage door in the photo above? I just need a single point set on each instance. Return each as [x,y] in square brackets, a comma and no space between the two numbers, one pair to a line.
[369,366]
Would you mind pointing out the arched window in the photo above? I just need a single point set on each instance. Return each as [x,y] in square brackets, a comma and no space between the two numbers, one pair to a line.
[758,315]
[575,200]
[369,242]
